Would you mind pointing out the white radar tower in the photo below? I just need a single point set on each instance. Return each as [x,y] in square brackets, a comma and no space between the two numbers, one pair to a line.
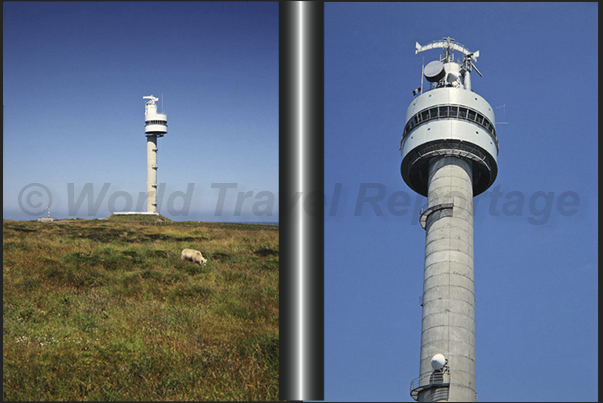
[449,154]
[155,125]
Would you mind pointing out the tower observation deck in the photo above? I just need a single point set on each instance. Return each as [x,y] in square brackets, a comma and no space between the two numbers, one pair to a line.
[449,153]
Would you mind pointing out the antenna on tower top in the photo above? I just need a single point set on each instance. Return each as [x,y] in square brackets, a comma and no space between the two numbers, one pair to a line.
[151,99]
[448,44]
[440,70]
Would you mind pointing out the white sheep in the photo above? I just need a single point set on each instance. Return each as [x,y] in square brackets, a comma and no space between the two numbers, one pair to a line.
[193,255]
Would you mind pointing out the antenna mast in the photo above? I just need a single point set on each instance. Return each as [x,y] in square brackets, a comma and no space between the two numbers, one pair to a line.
[422,73]
[449,45]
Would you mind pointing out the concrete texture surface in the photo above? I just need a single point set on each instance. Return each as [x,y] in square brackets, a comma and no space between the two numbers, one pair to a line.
[448,325]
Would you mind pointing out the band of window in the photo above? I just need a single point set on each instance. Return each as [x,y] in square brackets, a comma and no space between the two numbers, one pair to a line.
[450,111]
[155,122]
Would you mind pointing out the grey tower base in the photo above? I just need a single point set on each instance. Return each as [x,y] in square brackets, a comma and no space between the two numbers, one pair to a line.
[151,173]
[448,325]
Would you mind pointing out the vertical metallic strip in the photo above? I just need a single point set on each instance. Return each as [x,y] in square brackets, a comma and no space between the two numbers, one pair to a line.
[301,200]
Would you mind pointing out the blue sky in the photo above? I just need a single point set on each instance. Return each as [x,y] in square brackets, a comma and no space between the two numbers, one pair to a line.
[74,74]
[535,268]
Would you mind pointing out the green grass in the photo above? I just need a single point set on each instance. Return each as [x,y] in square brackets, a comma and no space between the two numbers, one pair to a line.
[106,310]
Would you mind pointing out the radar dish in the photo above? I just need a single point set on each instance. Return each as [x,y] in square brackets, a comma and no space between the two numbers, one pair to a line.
[434,71]
[438,362]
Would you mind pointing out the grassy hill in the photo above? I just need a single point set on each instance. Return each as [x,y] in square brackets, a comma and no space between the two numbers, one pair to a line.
[106,310]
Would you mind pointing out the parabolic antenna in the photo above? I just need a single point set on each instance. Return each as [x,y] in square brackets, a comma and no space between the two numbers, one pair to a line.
[438,362]
[434,71]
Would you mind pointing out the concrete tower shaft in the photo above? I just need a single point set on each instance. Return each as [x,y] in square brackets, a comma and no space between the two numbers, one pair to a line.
[152,174]
[448,325]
